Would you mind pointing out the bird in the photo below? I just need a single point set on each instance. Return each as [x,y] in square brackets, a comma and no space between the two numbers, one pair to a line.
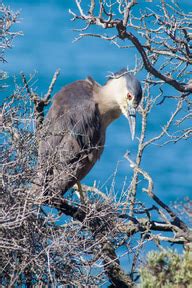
[74,130]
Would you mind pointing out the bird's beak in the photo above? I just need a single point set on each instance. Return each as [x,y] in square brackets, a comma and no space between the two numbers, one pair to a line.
[132,120]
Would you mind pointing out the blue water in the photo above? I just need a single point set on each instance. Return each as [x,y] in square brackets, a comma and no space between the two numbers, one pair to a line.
[47,44]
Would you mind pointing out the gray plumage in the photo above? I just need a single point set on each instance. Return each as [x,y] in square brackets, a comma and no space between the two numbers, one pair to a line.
[73,135]
[71,141]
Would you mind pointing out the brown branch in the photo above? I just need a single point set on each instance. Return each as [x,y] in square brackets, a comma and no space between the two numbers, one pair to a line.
[92,7]
[134,181]
[51,86]
[122,25]
[40,104]
[113,269]
[176,220]
[127,10]
[145,225]
[133,226]
[123,34]
[110,260]
[167,126]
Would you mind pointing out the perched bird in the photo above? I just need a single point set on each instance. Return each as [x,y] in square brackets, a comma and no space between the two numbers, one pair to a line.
[74,131]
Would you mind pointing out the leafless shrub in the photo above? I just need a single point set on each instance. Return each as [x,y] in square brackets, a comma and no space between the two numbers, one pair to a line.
[41,246]
[8,18]
[53,240]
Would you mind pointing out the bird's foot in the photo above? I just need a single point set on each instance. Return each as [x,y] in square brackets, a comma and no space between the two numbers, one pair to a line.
[83,198]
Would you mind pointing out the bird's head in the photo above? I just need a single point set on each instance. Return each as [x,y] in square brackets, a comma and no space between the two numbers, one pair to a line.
[128,93]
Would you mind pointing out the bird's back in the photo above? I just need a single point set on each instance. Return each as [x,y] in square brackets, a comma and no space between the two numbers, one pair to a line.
[73,93]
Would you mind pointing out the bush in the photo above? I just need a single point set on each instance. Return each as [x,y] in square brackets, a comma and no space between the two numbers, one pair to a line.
[167,269]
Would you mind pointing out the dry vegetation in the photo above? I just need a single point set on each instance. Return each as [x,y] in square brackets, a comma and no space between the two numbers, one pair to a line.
[54,240]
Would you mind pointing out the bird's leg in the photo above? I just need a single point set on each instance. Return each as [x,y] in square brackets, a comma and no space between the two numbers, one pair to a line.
[82,196]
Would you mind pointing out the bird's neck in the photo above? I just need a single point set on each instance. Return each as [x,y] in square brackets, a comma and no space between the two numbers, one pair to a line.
[107,104]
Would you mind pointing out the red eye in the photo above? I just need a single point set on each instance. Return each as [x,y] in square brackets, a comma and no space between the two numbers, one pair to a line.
[129,96]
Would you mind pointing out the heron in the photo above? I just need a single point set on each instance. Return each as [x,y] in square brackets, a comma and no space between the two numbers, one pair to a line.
[74,130]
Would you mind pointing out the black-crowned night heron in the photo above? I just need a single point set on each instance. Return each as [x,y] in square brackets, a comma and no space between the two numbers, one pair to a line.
[73,136]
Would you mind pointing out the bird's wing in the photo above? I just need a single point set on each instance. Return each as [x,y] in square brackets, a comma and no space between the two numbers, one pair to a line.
[72,128]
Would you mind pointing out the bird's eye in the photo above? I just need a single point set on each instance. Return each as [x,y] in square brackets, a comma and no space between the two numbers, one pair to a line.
[129,96]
